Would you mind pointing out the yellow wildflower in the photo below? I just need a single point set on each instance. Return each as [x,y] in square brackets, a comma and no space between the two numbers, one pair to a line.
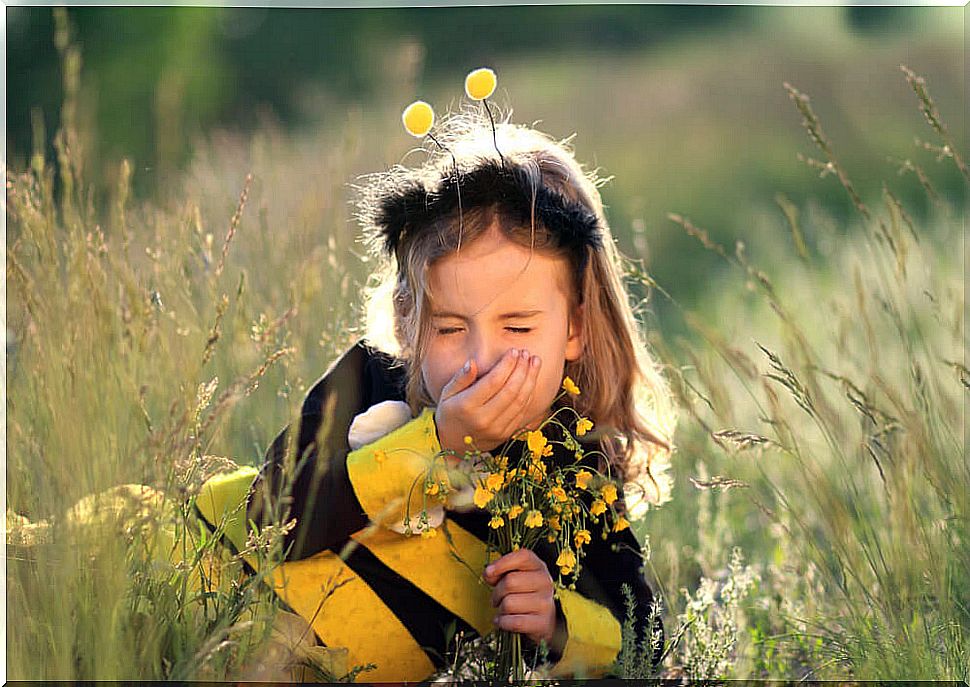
[569,385]
[551,538]
[515,511]
[583,426]
[598,507]
[537,470]
[566,561]
[429,533]
[620,524]
[480,83]
[582,537]
[582,478]
[609,493]
[418,118]
[468,440]
[559,493]
[494,481]
[496,522]
[482,496]
[554,523]
[536,442]
[432,489]
[533,519]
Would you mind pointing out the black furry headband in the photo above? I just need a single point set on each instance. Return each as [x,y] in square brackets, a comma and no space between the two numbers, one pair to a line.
[414,207]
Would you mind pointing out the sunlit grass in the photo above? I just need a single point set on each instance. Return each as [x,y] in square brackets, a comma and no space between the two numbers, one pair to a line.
[149,343]
[133,339]
[829,393]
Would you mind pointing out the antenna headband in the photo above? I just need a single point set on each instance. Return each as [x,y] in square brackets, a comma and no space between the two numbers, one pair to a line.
[413,208]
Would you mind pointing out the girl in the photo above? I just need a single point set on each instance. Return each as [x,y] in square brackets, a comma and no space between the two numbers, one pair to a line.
[497,277]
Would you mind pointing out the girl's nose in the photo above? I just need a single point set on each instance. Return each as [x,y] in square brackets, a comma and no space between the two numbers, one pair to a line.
[486,352]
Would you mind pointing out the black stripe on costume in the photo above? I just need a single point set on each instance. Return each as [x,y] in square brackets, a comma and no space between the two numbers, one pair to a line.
[322,500]
[424,618]
[223,539]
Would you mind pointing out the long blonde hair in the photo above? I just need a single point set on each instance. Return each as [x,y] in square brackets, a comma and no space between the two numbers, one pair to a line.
[623,389]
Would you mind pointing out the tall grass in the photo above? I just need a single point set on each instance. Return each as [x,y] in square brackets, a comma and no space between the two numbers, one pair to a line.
[829,391]
[152,343]
[134,339]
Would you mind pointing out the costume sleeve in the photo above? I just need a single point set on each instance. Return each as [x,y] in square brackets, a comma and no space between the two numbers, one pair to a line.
[594,613]
[306,476]
[591,616]
[388,474]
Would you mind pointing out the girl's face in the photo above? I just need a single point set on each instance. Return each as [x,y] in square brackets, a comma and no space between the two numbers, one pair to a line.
[495,297]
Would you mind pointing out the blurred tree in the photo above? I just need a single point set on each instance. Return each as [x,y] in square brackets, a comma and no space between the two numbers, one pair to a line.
[154,76]
[867,18]
[150,76]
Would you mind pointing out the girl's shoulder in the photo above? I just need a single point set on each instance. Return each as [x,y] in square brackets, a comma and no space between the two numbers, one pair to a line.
[363,375]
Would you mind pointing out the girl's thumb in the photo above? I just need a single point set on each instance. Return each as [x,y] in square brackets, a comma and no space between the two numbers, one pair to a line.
[461,380]
[466,375]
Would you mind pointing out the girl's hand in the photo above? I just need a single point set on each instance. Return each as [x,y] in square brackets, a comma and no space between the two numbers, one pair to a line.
[523,594]
[490,409]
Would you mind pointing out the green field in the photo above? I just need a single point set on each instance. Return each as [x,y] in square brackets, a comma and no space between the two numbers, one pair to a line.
[816,341]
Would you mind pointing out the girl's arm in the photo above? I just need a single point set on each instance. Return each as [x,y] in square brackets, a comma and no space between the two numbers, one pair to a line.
[599,602]
[321,493]
[590,617]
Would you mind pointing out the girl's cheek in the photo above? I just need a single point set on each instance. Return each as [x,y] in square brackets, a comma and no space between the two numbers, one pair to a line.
[438,370]
[430,378]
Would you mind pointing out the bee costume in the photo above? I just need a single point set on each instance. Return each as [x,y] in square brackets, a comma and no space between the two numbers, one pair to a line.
[395,599]
[361,580]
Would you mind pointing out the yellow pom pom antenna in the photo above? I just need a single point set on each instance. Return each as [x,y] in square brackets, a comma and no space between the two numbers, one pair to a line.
[418,118]
[480,83]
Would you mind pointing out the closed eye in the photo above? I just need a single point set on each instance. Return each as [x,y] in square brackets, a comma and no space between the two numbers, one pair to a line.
[454,330]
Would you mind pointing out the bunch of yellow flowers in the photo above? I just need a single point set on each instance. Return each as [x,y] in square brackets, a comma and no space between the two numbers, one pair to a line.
[539,495]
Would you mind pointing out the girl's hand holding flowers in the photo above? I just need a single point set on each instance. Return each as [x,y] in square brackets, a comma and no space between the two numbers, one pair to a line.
[530,497]
[523,594]
[490,409]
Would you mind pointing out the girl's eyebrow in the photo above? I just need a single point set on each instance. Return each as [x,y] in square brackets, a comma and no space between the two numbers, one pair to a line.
[517,315]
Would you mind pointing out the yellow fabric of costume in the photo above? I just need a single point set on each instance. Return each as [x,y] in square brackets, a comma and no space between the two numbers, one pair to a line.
[345,612]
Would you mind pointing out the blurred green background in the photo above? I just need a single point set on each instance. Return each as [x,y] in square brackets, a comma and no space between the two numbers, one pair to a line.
[685,105]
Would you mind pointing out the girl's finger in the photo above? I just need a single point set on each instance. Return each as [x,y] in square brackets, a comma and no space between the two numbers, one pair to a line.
[527,624]
[522,604]
[513,416]
[479,393]
[490,414]
[497,407]
[461,380]
[523,559]
[517,583]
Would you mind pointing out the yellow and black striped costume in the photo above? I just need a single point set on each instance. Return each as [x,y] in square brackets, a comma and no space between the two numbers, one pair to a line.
[388,598]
